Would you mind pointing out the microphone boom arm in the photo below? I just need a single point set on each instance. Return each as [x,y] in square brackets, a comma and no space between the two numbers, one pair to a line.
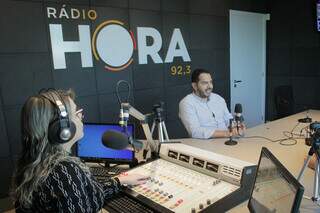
[144,123]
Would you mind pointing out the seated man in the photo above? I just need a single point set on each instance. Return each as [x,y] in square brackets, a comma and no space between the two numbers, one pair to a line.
[203,113]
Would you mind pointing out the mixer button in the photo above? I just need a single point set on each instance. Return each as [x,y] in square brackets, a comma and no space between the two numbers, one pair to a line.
[208,201]
[193,210]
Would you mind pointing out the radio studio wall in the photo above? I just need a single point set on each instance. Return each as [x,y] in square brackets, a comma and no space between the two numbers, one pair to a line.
[26,63]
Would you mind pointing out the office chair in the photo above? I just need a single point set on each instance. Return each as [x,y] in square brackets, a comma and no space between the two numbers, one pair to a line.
[283,99]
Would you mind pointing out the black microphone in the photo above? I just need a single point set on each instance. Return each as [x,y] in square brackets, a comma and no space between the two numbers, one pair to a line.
[238,115]
[118,140]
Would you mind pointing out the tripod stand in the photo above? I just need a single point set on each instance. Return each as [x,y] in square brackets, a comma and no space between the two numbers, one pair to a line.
[314,149]
[159,122]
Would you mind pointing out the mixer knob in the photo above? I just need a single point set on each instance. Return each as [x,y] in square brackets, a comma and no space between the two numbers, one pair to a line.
[193,210]
[200,206]
[208,201]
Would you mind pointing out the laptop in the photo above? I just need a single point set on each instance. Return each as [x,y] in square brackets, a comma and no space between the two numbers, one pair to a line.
[275,189]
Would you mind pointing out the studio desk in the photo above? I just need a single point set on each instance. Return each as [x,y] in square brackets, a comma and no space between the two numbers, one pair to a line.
[248,150]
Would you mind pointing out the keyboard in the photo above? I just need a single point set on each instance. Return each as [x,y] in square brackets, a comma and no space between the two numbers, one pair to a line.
[125,204]
[104,173]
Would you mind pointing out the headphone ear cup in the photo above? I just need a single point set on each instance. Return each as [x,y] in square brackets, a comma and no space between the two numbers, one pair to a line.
[54,132]
[58,135]
[72,129]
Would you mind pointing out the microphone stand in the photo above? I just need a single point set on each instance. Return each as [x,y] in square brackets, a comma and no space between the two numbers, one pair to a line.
[230,142]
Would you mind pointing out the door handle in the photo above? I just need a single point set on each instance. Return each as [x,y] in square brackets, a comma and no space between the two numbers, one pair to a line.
[235,82]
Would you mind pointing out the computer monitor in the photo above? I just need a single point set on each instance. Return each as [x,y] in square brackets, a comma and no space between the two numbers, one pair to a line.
[275,189]
[91,149]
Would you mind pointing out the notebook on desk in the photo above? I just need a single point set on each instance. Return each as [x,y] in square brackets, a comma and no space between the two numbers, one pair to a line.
[275,189]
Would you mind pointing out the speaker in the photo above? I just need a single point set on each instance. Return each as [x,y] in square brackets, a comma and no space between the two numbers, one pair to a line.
[61,129]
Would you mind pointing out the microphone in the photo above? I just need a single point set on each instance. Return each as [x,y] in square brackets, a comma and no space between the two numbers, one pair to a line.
[238,115]
[118,140]
[124,115]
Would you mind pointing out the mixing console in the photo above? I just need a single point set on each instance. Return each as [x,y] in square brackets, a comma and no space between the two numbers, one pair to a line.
[180,189]
[187,179]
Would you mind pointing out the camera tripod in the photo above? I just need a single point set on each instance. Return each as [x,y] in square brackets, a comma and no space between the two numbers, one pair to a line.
[314,149]
[159,122]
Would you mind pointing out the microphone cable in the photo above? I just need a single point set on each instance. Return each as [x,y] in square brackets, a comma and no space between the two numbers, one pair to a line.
[118,93]
[289,136]
[126,101]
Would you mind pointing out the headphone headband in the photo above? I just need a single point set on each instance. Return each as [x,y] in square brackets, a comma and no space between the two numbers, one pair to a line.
[61,130]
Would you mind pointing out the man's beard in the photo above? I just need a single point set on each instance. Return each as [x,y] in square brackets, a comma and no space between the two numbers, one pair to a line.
[205,94]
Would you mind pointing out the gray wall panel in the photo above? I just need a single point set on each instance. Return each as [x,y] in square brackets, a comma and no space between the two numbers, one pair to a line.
[5,177]
[279,62]
[146,76]
[175,6]
[82,80]
[112,3]
[173,96]
[74,2]
[4,144]
[12,117]
[140,18]
[23,75]
[145,4]
[212,7]
[90,106]
[305,61]
[18,33]
[202,32]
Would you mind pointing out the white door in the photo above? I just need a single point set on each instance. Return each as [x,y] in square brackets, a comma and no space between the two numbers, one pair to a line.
[248,64]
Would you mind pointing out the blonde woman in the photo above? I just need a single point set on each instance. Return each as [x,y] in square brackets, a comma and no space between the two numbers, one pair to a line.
[48,178]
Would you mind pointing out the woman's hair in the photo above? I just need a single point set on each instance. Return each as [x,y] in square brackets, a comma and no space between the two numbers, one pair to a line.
[39,155]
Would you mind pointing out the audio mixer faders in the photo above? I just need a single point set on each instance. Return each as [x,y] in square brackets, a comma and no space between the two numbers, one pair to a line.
[181,189]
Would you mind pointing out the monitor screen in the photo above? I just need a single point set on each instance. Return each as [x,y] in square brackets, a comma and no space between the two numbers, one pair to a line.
[90,147]
[275,189]
[318,15]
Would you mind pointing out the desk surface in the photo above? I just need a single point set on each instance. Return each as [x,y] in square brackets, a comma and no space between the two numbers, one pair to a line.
[248,149]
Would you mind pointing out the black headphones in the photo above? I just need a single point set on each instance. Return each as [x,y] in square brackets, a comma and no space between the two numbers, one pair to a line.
[61,129]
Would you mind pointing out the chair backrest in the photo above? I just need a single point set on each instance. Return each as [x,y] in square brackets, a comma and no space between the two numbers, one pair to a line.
[283,98]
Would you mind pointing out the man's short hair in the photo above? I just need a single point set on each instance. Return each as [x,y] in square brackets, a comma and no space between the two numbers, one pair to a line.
[196,73]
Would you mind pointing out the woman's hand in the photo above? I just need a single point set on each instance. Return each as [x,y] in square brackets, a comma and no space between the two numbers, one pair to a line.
[132,179]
